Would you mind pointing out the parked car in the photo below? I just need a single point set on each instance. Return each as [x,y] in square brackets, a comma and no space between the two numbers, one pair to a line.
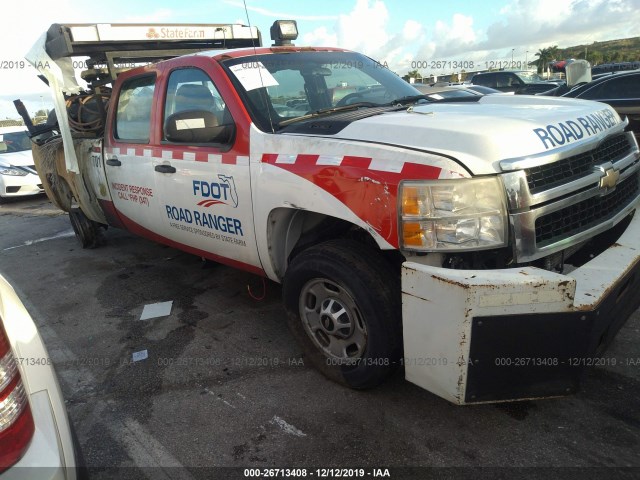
[467,86]
[36,439]
[18,174]
[442,92]
[521,82]
[614,67]
[480,89]
[620,89]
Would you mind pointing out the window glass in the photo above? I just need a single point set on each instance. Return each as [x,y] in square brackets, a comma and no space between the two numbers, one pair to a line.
[529,77]
[133,114]
[487,80]
[14,142]
[504,80]
[614,88]
[191,90]
[278,88]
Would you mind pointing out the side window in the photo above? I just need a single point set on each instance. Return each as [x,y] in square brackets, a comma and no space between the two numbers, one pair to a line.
[622,87]
[488,80]
[596,91]
[133,114]
[503,80]
[194,110]
[514,80]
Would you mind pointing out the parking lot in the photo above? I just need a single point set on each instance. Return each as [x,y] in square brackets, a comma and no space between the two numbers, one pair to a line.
[224,385]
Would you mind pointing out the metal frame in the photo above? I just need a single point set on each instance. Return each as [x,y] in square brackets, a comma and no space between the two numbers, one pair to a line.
[61,44]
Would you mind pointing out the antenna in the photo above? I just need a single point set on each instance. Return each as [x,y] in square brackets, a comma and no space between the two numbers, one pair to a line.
[264,94]
[224,37]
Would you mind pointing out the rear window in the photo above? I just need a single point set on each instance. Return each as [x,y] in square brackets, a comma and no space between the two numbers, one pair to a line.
[485,80]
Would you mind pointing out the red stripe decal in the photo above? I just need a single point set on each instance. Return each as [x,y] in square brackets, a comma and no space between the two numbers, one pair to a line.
[229,159]
[359,162]
[369,194]
[208,203]
[202,156]
[307,160]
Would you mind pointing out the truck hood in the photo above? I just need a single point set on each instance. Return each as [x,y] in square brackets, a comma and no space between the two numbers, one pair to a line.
[497,127]
[17,159]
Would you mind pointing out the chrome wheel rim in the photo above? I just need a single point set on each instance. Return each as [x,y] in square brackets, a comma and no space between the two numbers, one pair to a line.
[332,319]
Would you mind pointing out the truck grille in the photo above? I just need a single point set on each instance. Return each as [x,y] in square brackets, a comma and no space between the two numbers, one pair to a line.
[563,171]
[581,216]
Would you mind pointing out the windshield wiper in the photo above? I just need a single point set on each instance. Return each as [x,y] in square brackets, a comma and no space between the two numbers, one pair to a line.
[326,111]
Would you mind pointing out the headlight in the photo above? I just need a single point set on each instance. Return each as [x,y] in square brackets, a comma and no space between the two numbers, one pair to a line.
[452,215]
[13,171]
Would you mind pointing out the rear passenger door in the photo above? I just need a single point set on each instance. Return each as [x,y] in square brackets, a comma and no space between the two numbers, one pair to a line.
[202,174]
[128,156]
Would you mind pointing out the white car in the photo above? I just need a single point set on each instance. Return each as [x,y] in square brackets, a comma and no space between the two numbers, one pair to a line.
[18,174]
[35,435]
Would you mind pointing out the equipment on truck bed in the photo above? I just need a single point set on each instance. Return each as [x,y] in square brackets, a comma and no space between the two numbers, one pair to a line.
[109,44]
[112,49]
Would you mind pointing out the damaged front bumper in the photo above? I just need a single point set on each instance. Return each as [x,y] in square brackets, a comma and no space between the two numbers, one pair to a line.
[474,336]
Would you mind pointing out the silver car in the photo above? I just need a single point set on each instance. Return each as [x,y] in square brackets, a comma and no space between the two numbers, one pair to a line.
[36,440]
[18,176]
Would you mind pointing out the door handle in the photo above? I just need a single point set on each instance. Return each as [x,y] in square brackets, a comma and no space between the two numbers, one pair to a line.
[165,168]
[114,162]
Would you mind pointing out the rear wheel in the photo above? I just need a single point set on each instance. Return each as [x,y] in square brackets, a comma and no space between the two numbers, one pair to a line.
[343,305]
[88,232]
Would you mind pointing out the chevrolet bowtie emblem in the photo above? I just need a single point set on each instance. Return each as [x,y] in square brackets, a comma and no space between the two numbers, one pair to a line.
[609,179]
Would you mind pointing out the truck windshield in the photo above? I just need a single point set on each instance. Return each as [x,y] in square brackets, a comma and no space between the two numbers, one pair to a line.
[281,87]
[530,77]
[14,142]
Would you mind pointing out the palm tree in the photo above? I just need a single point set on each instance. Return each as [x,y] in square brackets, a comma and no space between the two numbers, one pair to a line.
[543,59]
[545,55]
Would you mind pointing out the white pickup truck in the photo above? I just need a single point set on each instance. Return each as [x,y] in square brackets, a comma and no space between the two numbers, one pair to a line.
[487,245]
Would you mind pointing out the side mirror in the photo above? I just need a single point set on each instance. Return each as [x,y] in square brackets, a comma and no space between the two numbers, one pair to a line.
[197,126]
[3,147]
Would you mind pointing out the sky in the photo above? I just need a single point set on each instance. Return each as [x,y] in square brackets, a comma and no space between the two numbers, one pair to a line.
[406,35]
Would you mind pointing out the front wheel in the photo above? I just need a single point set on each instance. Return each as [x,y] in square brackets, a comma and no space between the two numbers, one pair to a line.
[343,305]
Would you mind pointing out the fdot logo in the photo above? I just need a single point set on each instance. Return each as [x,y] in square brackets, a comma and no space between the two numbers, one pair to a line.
[214,193]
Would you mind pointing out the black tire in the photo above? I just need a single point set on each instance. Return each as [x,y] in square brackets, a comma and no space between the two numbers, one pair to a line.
[88,233]
[362,345]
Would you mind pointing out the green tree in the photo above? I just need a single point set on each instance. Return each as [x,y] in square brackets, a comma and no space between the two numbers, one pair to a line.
[595,57]
[412,74]
[543,59]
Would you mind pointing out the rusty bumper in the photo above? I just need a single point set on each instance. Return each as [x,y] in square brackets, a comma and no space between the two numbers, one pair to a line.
[500,335]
